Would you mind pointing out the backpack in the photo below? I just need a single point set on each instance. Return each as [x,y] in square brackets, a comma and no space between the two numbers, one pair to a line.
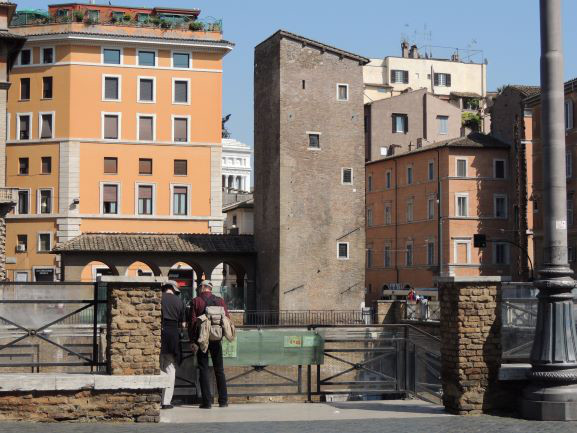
[215,314]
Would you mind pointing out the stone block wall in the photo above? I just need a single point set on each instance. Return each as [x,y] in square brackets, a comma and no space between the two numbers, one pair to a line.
[134,328]
[470,344]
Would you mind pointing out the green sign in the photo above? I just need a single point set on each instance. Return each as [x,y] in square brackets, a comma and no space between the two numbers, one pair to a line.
[309,341]
[229,348]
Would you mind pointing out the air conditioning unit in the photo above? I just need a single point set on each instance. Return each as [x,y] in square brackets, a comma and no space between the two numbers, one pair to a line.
[21,248]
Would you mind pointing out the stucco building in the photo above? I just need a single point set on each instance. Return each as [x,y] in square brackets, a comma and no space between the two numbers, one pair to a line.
[309,175]
[236,166]
[424,207]
[114,125]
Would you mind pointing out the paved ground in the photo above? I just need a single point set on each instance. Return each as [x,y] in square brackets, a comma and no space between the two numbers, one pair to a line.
[350,417]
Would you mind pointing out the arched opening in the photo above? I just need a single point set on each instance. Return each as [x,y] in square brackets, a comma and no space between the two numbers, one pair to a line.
[230,281]
[141,269]
[238,183]
[95,269]
[231,181]
[223,181]
[188,277]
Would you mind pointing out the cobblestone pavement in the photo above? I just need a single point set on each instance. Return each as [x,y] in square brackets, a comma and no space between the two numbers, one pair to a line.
[483,424]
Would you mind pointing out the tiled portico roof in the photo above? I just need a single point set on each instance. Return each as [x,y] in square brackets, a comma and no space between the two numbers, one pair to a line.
[158,243]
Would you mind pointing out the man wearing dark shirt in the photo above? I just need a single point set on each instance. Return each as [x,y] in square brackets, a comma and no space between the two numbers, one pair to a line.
[172,317]
[197,309]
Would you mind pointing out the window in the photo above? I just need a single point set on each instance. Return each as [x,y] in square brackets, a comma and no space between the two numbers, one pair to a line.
[409,254]
[180,60]
[117,15]
[462,251]
[409,175]
[47,87]
[26,57]
[384,150]
[342,92]
[94,15]
[23,202]
[22,243]
[314,141]
[45,201]
[180,129]
[568,165]
[142,18]
[443,80]
[370,183]
[110,165]
[44,242]
[111,90]
[462,204]
[47,55]
[347,176]
[146,128]
[410,207]
[430,252]
[46,125]
[23,166]
[43,274]
[111,126]
[499,169]
[388,176]
[369,258]
[431,170]
[461,167]
[146,90]
[388,214]
[110,199]
[431,208]
[369,217]
[145,166]
[568,114]
[46,165]
[443,124]
[24,89]
[180,167]
[569,212]
[399,76]
[145,199]
[146,58]
[500,205]
[501,254]
[387,255]
[111,56]
[180,92]
[400,123]
[180,200]
[343,250]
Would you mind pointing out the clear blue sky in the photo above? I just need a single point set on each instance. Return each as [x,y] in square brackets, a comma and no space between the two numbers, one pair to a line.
[506,30]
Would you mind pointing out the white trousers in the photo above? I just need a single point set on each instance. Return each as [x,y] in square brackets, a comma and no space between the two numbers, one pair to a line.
[167,363]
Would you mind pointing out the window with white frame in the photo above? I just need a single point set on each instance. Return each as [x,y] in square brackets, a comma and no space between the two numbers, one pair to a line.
[569,212]
[111,126]
[347,176]
[110,199]
[409,253]
[399,76]
[180,91]
[146,89]
[443,125]
[111,56]
[180,129]
[24,126]
[409,175]
[342,92]
[25,57]
[388,213]
[44,242]
[46,124]
[146,128]
[400,123]
[23,202]
[47,55]
[461,168]
[462,204]
[387,255]
[181,60]
[500,205]
[145,199]
[431,170]
[179,200]
[388,177]
[369,217]
[568,164]
[430,252]
[410,206]
[442,80]
[44,201]
[501,253]
[431,207]
[499,169]
[111,88]
[343,250]
[568,114]
[462,251]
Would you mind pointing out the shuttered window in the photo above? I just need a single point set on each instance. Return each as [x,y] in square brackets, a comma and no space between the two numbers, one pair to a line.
[110,165]
[146,90]
[347,176]
[145,128]
[181,129]
[111,89]
[180,60]
[399,76]
[400,123]
[442,80]
[145,199]
[145,166]
[181,92]
[180,200]
[111,56]
[111,126]
[147,58]
[180,167]
[47,127]
[110,199]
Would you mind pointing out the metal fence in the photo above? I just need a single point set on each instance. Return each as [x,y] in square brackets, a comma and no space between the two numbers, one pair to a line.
[423,311]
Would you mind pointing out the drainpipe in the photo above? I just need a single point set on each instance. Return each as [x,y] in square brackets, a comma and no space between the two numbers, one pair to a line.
[439,218]
[396,224]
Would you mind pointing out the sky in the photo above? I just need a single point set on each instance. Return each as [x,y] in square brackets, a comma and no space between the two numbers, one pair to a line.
[507,31]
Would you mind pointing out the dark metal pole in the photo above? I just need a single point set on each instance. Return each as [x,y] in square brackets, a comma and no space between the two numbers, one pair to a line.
[552,394]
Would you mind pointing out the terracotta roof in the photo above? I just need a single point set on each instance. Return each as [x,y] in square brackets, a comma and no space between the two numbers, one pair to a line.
[158,243]
[526,91]
[245,204]
[466,95]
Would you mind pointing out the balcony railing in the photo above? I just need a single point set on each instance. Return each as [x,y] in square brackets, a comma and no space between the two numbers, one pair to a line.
[423,311]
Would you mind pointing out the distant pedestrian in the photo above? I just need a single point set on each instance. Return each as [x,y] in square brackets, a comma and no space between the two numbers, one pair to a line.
[411,296]
[173,317]
[202,344]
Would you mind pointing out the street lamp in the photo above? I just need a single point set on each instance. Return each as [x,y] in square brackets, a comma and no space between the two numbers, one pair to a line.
[552,393]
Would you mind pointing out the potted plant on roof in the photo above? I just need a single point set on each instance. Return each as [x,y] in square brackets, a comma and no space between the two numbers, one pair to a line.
[126,18]
[78,16]
[196,26]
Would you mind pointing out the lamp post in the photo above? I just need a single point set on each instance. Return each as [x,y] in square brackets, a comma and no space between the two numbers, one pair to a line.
[552,393]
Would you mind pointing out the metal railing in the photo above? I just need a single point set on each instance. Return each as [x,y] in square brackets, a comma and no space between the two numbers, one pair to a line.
[308,317]
[423,311]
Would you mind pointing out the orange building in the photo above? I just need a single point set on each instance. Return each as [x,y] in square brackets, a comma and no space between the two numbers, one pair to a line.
[424,207]
[114,125]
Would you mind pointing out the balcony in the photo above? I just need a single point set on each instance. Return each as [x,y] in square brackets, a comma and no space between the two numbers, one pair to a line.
[8,196]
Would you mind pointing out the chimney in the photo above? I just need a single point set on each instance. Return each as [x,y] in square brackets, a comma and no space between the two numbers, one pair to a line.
[405,49]
[414,53]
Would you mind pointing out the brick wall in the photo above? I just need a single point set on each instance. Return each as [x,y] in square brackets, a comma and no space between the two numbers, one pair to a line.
[470,344]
